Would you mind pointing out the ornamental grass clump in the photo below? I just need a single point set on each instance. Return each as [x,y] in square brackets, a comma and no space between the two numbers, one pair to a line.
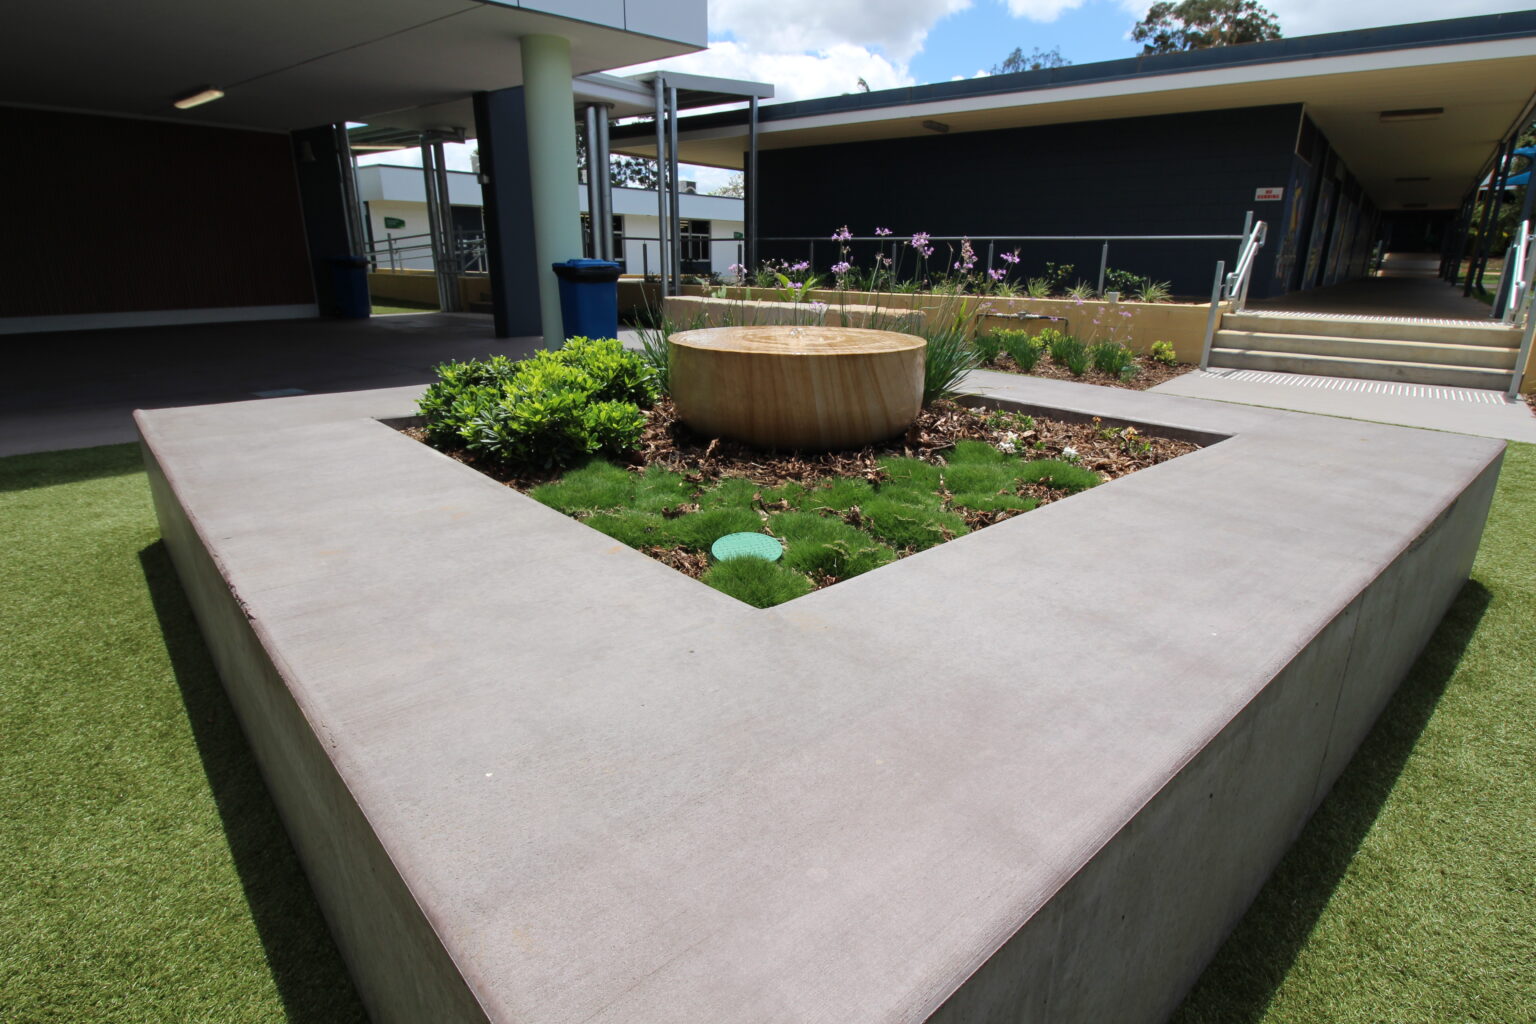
[551,409]
[1023,348]
[1113,358]
[756,582]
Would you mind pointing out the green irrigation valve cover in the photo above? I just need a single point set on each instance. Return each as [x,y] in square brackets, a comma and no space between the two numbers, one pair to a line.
[747,545]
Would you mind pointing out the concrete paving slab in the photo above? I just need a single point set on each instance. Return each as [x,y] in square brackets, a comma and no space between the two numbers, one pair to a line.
[1034,774]
[1360,400]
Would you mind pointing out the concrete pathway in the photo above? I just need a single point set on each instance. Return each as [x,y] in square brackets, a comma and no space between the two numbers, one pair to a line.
[1459,410]
[1406,294]
[78,389]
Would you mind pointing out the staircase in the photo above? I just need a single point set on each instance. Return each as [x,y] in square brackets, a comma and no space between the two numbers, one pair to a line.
[1452,353]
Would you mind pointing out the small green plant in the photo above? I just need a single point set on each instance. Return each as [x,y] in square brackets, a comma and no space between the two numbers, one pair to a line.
[909,525]
[825,546]
[1123,281]
[950,355]
[988,346]
[760,583]
[1060,474]
[1056,274]
[1154,291]
[1163,352]
[1082,291]
[1067,351]
[1113,358]
[1039,287]
[1023,348]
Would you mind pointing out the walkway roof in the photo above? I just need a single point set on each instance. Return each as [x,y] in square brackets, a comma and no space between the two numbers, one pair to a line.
[288,64]
[1480,73]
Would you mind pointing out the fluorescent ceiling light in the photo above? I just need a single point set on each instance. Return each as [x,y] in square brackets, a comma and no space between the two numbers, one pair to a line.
[197,99]
[1412,114]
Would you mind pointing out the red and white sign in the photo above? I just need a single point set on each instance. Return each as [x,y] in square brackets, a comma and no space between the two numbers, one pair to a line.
[1268,194]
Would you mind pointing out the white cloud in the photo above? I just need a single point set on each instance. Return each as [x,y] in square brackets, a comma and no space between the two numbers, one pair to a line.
[795,76]
[1050,10]
[897,28]
[455,154]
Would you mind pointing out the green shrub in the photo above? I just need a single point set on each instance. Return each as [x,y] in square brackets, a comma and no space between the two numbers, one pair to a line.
[1163,352]
[733,491]
[1124,282]
[659,488]
[1112,358]
[1038,288]
[1059,475]
[551,409]
[984,501]
[636,529]
[759,583]
[909,525]
[989,478]
[1154,291]
[966,452]
[1024,349]
[823,545]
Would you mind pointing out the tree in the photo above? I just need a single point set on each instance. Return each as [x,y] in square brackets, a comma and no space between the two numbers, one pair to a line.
[735,186]
[1200,24]
[623,171]
[1035,60]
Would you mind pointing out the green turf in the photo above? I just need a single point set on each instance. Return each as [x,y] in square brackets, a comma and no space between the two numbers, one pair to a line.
[146,876]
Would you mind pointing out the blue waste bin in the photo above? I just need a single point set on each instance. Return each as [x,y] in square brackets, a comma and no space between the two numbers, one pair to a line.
[589,298]
[349,287]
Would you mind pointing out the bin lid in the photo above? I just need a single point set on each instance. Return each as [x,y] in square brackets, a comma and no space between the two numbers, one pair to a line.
[587,263]
[596,271]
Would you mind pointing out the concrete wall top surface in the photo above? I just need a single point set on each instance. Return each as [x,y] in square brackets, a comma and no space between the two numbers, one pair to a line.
[619,795]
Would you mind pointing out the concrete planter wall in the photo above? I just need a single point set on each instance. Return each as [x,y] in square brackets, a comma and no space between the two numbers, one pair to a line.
[535,775]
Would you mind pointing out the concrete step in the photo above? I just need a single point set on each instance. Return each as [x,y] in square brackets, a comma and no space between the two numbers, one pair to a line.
[1367,369]
[1486,356]
[1492,334]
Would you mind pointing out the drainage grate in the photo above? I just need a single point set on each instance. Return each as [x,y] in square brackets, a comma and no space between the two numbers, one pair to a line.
[1364,387]
[1368,318]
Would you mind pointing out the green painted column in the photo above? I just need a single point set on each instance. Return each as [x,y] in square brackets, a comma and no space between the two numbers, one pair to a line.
[550,106]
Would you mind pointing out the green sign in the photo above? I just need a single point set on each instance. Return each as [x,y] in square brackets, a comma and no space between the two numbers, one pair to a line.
[394,222]
[737,235]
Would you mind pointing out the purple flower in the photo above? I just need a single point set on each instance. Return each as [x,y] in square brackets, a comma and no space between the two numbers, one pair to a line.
[882,231]
[842,234]
[997,275]
[841,268]
[802,265]
[795,285]
[920,240]
[1125,313]
[1010,257]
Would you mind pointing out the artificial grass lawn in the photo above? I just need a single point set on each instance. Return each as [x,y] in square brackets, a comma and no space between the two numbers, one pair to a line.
[146,876]
[918,506]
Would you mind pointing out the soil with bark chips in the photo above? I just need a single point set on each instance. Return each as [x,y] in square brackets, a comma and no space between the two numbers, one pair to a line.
[1111,450]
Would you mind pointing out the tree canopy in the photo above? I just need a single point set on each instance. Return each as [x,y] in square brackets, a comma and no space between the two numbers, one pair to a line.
[1200,24]
[1035,60]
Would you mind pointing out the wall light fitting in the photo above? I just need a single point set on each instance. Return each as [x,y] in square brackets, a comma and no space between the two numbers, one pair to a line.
[936,126]
[197,99]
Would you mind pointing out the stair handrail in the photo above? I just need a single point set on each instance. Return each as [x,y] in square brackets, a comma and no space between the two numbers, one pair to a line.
[1513,284]
[1236,290]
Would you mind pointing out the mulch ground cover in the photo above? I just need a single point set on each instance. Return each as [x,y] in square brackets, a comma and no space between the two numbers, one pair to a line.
[1149,372]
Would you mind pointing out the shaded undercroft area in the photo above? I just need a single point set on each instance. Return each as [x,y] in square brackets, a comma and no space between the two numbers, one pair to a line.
[148,878]
[1404,295]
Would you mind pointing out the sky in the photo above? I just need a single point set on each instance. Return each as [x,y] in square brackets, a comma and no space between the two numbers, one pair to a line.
[809,48]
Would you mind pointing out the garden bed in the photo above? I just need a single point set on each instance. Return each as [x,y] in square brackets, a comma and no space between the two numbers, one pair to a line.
[1149,372]
[839,514]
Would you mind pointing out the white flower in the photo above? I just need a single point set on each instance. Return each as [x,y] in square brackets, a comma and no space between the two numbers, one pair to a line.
[1069,453]
[1009,443]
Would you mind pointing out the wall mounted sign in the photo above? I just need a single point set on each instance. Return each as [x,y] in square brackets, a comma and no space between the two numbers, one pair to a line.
[1268,194]
[394,222]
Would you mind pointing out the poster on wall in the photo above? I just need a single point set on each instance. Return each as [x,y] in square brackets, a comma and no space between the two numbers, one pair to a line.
[1343,234]
[1288,228]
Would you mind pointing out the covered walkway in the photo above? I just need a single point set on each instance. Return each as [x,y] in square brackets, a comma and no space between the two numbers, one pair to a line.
[78,389]
[1400,293]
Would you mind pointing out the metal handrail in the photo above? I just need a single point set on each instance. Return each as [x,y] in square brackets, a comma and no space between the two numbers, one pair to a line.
[1236,290]
[1513,288]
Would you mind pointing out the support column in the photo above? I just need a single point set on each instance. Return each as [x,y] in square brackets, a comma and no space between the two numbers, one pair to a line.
[750,189]
[549,103]
[501,131]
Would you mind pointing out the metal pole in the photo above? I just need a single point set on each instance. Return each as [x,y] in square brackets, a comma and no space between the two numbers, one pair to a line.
[1210,317]
[751,182]
[434,218]
[1103,265]
[1497,198]
[645,261]
[605,183]
[1517,375]
[660,84]
[677,224]
[357,237]
[1474,269]
[594,204]
[448,273]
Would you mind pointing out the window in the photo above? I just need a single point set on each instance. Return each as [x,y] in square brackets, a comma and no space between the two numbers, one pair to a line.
[618,236]
[695,236]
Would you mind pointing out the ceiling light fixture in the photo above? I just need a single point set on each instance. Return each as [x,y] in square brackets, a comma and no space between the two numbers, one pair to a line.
[1412,114]
[936,126]
[197,99]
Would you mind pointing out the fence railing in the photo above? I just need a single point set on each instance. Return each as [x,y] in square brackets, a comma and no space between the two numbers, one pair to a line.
[393,252]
